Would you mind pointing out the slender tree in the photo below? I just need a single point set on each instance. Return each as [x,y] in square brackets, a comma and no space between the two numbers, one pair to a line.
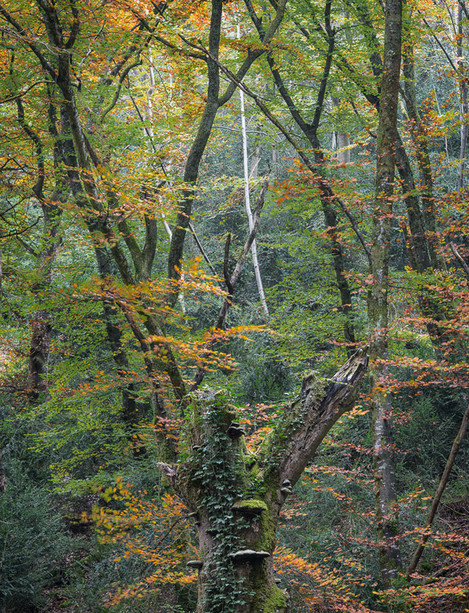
[247,199]
[378,294]
[310,129]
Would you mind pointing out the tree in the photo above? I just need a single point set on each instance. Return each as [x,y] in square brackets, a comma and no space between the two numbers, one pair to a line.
[310,129]
[89,173]
[237,496]
[378,294]
[117,123]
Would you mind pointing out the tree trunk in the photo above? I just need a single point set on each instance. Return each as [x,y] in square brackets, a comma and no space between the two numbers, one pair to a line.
[462,97]
[50,240]
[236,521]
[191,170]
[419,137]
[422,219]
[378,294]
[247,199]
[340,140]
[236,496]
[3,480]
[39,353]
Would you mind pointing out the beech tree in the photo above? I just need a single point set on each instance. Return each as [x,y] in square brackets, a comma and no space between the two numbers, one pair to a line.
[110,110]
[237,515]
[89,169]
[236,496]
[378,295]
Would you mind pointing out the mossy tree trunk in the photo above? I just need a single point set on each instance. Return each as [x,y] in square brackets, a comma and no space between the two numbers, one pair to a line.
[419,201]
[236,496]
[45,256]
[378,294]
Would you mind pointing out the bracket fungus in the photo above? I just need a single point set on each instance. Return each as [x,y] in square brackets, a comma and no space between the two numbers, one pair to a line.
[248,556]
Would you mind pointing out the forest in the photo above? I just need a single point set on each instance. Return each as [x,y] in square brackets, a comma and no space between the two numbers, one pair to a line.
[234,306]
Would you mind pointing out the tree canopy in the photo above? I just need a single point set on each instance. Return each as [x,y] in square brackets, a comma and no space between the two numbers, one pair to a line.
[234,278]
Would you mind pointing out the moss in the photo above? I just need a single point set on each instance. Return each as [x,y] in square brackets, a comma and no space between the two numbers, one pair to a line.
[268,530]
[276,601]
[250,505]
[254,471]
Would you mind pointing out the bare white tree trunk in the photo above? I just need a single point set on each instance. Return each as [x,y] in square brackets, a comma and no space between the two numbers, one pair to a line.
[255,261]
[341,141]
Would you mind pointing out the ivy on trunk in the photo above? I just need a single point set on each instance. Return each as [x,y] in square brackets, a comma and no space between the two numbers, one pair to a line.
[236,496]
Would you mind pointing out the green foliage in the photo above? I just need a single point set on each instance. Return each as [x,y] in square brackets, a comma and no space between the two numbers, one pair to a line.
[262,377]
[33,543]
[427,430]
[73,436]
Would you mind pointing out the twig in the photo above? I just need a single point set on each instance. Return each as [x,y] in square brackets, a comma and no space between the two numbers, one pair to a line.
[439,492]
[460,259]
[21,94]
[201,248]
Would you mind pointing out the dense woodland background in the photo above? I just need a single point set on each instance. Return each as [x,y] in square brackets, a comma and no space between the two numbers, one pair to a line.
[124,157]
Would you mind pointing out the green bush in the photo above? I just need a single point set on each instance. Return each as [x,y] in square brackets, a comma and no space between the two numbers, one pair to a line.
[33,543]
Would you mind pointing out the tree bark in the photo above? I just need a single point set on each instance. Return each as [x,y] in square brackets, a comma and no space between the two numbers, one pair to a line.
[378,294]
[419,137]
[3,480]
[247,199]
[39,348]
[39,354]
[420,208]
[236,496]
[191,170]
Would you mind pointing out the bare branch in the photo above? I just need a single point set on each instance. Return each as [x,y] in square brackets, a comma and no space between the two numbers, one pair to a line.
[226,260]
[460,259]
[201,248]
[356,229]
[439,492]
[115,98]
[28,248]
